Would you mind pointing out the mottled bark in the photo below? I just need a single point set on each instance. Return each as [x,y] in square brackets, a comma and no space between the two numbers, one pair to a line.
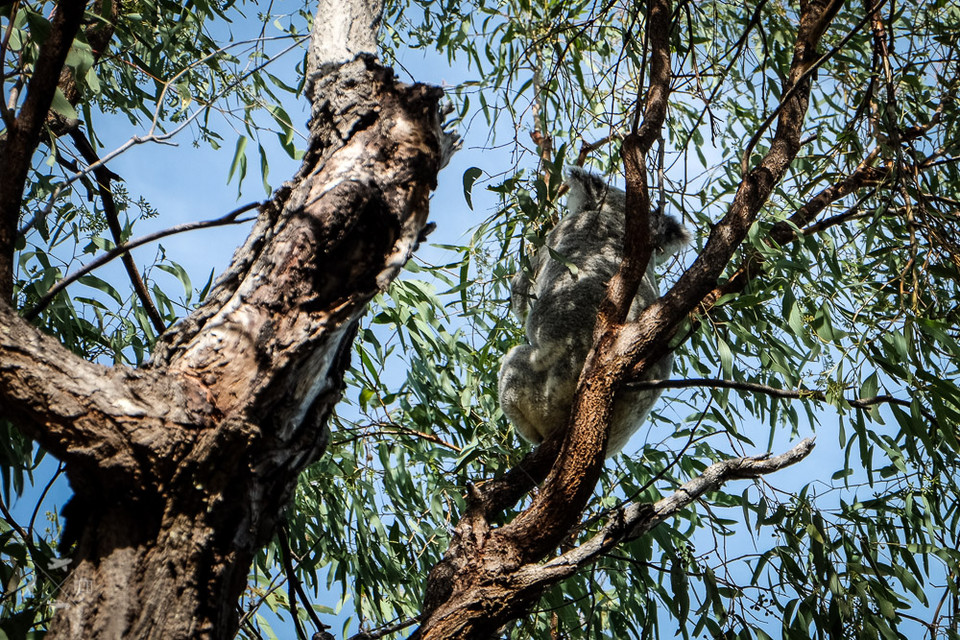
[182,469]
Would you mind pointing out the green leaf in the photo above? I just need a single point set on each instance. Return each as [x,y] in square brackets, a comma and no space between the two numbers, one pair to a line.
[470,176]
[726,358]
[180,274]
[101,285]
[239,159]
[264,170]
[62,106]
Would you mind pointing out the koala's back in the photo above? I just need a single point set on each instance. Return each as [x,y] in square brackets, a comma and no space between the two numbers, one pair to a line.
[559,306]
[567,289]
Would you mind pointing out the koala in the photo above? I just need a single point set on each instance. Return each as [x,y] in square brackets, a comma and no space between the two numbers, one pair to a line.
[558,304]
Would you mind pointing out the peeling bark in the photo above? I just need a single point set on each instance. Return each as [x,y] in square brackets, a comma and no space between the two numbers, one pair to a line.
[182,469]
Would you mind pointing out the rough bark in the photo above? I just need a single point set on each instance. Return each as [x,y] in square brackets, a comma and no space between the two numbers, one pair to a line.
[182,469]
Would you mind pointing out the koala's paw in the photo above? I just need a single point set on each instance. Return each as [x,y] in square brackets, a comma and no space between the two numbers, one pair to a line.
[450,141]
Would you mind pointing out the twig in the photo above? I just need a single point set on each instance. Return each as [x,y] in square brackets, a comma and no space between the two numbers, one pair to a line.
[639,518]
[385,427]
[230,218]
[26,537]
[103,177]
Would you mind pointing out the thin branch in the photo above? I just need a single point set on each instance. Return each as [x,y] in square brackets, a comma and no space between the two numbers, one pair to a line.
[737,47]
[293,583]
[853,213]
[16,150]
[808,73]
[637,519]
[754,387]
[43,496]
[5,111]
[152,136]
[589,147]
[397,429]
[103,177]
[230,218]
[788,394]
[383,631]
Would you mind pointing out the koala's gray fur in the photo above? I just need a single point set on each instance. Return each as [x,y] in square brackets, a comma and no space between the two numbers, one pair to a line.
[559,309]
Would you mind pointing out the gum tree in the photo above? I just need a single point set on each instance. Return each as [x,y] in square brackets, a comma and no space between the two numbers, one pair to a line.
[813,147]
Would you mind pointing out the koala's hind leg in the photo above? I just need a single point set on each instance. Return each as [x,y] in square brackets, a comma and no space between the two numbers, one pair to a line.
[521,389]
[531,395]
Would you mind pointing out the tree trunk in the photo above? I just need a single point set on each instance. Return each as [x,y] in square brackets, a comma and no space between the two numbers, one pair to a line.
[182,469]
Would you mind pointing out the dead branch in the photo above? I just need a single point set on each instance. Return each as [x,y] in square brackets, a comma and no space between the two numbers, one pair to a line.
[634,520]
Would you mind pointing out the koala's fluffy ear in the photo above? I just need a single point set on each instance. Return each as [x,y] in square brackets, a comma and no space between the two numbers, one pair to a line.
[587,190]
[671,238]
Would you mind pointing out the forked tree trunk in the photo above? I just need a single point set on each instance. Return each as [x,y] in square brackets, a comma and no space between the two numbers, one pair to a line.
[182,469]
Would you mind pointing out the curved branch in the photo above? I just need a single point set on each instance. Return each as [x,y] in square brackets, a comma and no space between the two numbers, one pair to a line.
[86,414]
[634,520]
[807,74]
[230,218]
[571,482]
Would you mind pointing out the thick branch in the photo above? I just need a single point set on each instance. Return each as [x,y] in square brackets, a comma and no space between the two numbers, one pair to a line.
[785,231]
[638,248]
[570,484]
[342,30]
[461,583]
[265,356]
[88,415]
[625,524]
[643,339]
